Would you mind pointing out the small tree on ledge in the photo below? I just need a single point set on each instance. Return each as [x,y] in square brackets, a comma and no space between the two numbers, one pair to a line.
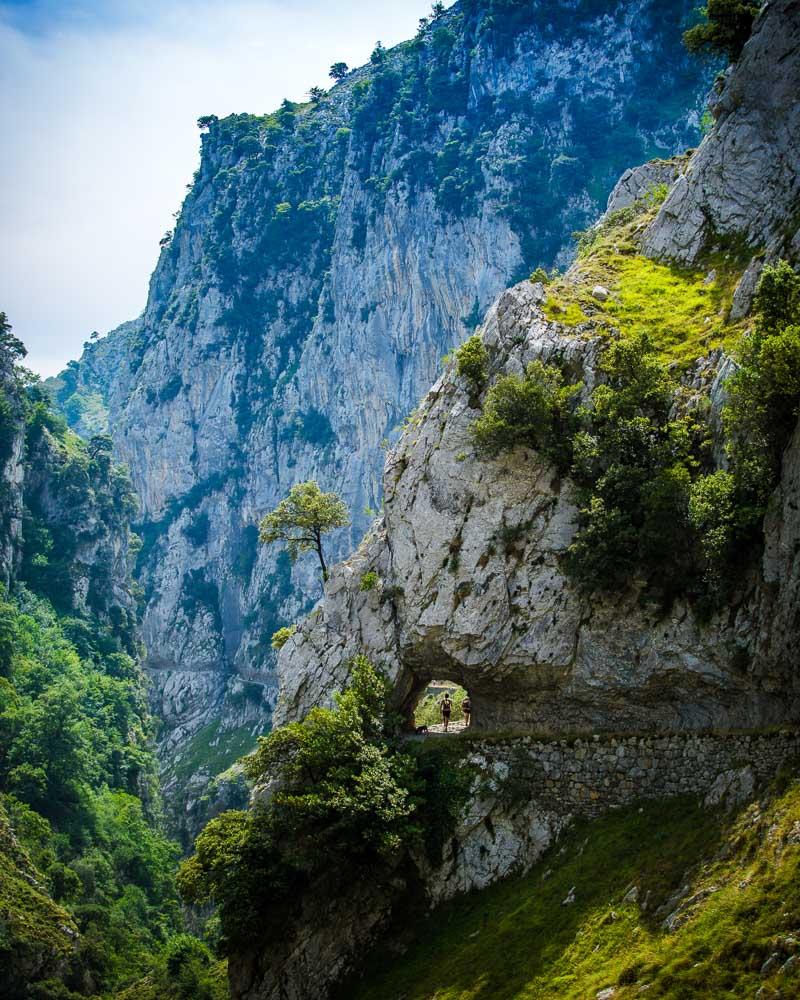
[302,518]
[339,71]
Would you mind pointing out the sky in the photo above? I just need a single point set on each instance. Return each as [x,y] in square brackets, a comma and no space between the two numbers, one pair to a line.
[98,107]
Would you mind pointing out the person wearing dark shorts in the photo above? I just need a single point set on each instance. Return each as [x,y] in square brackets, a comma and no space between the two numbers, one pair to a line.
[466,708]
[446,707]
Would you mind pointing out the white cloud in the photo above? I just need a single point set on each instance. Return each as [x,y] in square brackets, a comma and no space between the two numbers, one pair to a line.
[98,119]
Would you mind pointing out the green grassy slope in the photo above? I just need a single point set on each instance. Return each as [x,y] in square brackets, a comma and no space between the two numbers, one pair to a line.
[684,310]
[738,901]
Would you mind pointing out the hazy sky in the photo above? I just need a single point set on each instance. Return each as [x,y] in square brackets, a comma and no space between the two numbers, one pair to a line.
[98,103]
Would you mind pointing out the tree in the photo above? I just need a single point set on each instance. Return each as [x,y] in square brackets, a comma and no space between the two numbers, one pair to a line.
[472,362]
[206,121]
[437,9]
[11,348]
[347,794]
[316,94]
[378,54]
[302,518]
[726,28]
[339,71]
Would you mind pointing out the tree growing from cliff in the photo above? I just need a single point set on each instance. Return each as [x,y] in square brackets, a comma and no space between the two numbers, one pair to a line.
[302,518]
[12,349]
[347,796]
[339,71]
[725,30]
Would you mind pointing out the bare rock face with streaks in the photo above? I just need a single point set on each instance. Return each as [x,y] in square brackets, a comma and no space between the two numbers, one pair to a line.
[744,181]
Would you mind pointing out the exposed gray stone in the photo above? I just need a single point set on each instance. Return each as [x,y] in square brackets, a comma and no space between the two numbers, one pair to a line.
[747,170]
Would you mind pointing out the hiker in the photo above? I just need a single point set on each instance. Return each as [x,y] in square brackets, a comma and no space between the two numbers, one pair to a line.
[446,707]
[466,708]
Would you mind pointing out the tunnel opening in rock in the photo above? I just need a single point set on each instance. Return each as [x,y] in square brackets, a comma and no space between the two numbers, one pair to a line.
[440,706]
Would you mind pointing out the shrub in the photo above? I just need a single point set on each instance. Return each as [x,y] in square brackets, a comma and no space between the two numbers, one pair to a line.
[282,636]
[726,28]
[713,514]
[777,298]
[535,410]
[472,363]
[764,393]
[370,580]
[633,466]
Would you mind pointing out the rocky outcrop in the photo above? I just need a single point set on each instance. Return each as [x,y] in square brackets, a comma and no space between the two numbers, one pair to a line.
[469,555]
[65,515]
[12,447]
[744,181]
[469,551]
[38,936]
[325,259]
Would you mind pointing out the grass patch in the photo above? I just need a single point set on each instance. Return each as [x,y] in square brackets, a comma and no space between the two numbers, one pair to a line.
[213,752]
[516,941]
[684,311]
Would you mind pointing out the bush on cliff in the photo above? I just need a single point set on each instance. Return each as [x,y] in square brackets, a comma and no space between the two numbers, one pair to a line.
[341,799]
[535,410]
[725,30]
[472,363]
[760,416]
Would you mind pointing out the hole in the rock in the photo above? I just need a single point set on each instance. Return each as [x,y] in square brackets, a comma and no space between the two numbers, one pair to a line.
[442,706]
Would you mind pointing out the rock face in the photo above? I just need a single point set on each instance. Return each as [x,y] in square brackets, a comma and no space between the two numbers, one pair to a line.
[468,555]
[325,259]
[64,519]
[468,551]
[745,178]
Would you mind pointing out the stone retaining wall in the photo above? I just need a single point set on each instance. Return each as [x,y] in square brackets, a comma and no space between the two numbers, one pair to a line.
[526,791]
[587,776]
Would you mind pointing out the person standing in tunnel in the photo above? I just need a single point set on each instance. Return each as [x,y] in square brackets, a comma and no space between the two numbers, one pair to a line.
[466,708]
[446,707]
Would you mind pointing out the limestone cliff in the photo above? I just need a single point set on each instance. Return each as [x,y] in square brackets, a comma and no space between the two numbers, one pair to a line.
[325,258]
[470,551]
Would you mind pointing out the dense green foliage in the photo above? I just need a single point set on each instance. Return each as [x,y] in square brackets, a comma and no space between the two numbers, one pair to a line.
[725,28]
[535,410]
[78,780]
[346,800]
[185,970]
[302,518]
[282,636]
[472,363]
[517,941]
[633,465]
[760,416]
[95,903]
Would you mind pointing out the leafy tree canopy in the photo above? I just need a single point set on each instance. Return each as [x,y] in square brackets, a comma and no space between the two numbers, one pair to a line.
[341,794]
[339,71]
[302,518]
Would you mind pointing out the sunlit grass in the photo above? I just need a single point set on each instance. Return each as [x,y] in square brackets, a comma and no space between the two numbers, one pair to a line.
[684,310]
[517,941]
